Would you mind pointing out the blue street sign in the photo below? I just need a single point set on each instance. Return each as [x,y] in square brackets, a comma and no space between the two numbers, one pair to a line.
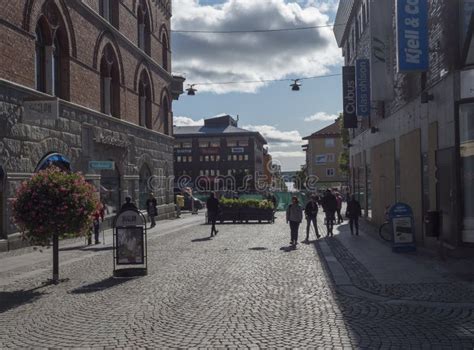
[412,35]
[403,227]
[363,87]
[101,165]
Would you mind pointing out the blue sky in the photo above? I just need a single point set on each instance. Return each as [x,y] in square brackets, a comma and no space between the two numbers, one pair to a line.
[272,108]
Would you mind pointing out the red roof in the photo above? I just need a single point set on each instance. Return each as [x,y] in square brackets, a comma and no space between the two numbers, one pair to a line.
[333,130]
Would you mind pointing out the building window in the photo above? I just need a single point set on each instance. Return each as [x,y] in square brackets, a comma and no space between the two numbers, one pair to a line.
[234,157]
[178,159]
[241,157]
[144,102]
[185,159]
[110,83]
[329,143]
[215,143]
[231,143]
[40,56]
[243,143]
[110,11]
[330,172]
[52,54]
[190,159]
[218,158]
[330,158]
[165,48]
[144,27]
[246,157]
[203,144]
[212,158]
[212,173]
[201,158]
[187,144]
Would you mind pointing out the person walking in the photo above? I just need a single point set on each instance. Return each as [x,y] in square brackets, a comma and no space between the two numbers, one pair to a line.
[311,214]
[294,216]
[353,212]
[151,208]
[128,205]
[339,207]
[212,205]
[329,204]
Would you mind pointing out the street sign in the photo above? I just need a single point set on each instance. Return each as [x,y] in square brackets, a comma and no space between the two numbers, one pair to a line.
[130,244]
[401,220]
[101,165]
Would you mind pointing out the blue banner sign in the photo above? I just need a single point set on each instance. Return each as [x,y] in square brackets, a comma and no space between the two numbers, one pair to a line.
[403,226]
[412,35]
[363,87]
[101,165]
[349,97]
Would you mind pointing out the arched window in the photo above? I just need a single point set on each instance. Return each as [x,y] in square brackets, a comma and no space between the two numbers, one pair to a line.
[52,53]
[110,82]
[40,55]
[165,49]
[144,27]
[165,114]
[144,103]
[110,11]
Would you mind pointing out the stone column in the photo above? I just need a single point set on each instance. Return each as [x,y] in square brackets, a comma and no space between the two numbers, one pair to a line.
[107,93]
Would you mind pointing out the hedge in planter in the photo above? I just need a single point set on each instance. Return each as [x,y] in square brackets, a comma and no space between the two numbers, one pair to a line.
[245,210]
[51,204]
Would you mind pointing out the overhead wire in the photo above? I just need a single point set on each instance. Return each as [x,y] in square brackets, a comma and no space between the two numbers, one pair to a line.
[264,80]
[186,31]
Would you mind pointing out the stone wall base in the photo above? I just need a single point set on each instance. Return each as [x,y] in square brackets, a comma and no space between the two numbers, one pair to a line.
[14,241]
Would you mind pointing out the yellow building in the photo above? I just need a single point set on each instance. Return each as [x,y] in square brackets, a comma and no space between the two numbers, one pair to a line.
[322,156]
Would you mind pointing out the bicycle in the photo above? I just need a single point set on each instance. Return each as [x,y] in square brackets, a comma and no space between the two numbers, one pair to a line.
[385,230]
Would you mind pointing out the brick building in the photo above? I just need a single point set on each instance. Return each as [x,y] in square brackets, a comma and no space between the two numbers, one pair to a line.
[415,145]
[218,149]
[84,81]
[322,156]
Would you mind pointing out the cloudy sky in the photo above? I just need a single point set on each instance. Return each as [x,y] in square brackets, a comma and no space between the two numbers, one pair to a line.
[282,116]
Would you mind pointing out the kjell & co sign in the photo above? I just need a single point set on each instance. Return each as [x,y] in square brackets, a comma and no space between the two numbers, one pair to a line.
[349,97]
[412,35]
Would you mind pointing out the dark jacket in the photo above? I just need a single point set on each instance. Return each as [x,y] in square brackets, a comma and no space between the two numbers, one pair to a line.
[353,209]
[151,206]
[329,203]
[294,213]
[212,205]
[311,209]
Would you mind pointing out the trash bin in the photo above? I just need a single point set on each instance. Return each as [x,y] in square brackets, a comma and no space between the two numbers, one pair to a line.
[432,223]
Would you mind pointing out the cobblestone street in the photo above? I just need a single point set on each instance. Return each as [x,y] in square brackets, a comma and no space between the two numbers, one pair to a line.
[240,289]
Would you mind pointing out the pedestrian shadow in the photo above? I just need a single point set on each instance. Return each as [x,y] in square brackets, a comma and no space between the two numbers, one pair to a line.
[93,248]
[287,249]
[205,239]
[12,300]
[258,248]
[107,283]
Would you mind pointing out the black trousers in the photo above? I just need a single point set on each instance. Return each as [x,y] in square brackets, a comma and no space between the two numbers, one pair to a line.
[294,226]
[354,222]
[212,219]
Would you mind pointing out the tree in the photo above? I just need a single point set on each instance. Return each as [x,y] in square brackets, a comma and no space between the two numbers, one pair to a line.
[300,178]
[344,156]
[53,203]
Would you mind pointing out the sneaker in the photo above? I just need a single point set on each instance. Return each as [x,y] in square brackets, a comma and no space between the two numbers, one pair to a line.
[215,233]
[97,242]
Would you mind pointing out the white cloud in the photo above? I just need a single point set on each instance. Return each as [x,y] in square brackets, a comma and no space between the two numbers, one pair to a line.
[290,154]
[185,121]
[321,117]
[275,136]
[252,56]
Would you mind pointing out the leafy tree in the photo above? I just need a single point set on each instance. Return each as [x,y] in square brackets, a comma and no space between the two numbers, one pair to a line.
[51,204]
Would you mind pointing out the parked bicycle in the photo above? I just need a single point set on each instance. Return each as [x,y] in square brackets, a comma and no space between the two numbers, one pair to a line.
[386,230]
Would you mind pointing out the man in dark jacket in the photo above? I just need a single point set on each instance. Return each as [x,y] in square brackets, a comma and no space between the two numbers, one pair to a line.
[353,212]
[212,205]
[151,208]
[311,213]
[329,204]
